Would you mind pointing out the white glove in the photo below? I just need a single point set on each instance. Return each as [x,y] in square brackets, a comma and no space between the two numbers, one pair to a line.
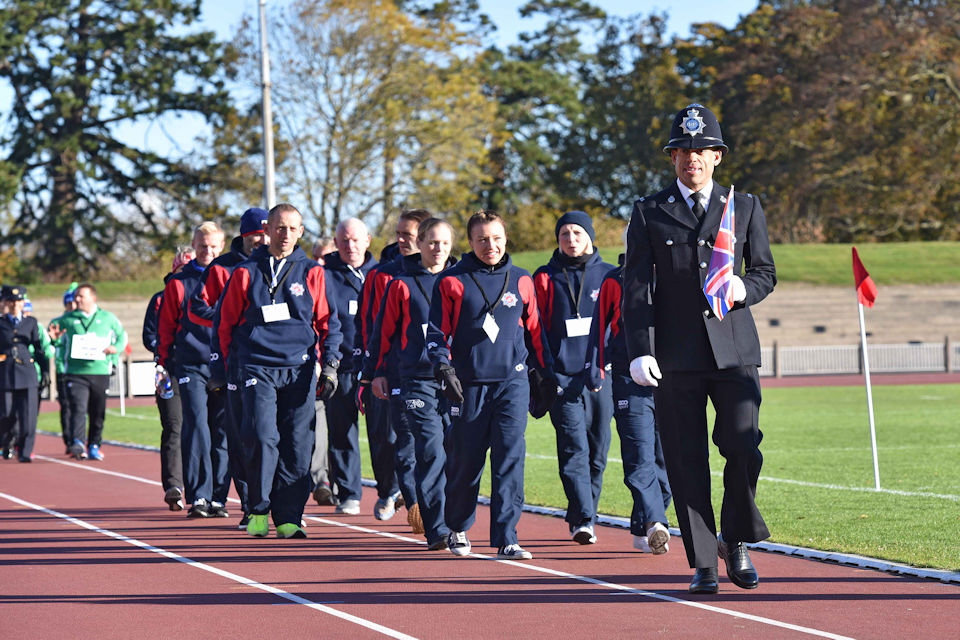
[739,291]
[645,371]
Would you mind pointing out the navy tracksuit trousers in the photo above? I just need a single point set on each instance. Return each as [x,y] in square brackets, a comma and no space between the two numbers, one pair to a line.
[203,440]
[422,407]
[343,427]
[381,438]
[404,450]
[644,471]
[493,416]
[277,434]
[233,419]
[581,418]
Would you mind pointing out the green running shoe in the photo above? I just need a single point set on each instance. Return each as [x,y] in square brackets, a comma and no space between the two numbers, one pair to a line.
[290,530]
[258,525]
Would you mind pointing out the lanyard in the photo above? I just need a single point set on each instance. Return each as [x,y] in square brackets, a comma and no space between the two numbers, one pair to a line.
[491,307]
[274,283]
[359,276]
[422,290]
[574,298]
[86,327]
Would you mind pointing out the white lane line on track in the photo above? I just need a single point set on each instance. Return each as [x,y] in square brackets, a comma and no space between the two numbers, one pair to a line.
[292,598]
[617,588]
[803,483]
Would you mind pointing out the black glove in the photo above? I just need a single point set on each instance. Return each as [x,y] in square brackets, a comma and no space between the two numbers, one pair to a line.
[44,379]
[450,383]
[543,392]
[327,384]
[363,396]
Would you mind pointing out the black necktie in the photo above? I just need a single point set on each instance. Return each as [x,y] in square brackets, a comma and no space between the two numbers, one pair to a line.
[698,209]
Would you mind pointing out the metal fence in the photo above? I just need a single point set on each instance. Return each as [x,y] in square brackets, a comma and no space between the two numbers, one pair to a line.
[912,357]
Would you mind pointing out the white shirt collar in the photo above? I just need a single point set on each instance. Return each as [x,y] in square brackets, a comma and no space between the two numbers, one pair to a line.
[685,191]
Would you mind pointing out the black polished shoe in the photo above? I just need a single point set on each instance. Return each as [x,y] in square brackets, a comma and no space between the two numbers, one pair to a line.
[739,568]
[704,580]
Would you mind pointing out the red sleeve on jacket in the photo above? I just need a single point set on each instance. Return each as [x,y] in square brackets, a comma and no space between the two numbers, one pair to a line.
[395,311]
[169,321]
[531,317]
[367,310]
[451,297]
[543,288]
[317,285]
[232,308]
[214,281]
[608,313]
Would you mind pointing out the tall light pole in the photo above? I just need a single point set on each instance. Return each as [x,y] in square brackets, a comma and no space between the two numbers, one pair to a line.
[269,189]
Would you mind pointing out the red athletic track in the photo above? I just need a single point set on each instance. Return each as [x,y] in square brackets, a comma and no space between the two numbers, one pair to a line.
[60,579]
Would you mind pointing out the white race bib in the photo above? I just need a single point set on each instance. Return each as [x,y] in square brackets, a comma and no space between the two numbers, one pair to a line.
[578,326]
[490,327]
[88,346]
[275,312]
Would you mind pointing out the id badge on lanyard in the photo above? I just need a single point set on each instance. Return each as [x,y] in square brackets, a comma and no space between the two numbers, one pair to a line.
[578,327]
[276,311]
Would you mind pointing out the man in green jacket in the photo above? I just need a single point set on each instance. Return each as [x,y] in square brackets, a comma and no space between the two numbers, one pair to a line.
[92,340]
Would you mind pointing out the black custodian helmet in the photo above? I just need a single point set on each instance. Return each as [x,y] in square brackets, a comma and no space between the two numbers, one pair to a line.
[695,127]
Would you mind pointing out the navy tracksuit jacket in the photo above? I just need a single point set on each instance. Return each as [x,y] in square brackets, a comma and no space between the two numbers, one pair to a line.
[277,360]
[496,392]
[644,471]
[567,291]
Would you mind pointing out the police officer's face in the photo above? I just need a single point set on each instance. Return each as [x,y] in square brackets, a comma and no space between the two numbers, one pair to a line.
[574,240]
[207,247]
[695,167]
[285,229]
[407,236]
[489,242]
[352,242]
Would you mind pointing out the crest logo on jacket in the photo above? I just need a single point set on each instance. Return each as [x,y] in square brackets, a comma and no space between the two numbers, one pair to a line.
[297,289]
[509,299]
[595,294]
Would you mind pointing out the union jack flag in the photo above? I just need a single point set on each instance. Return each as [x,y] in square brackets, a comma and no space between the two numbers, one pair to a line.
[717,287]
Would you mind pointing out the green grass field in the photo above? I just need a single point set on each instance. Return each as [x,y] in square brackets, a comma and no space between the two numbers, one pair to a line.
[816,488]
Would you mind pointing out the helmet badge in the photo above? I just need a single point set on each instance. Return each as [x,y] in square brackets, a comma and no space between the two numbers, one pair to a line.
[693,124]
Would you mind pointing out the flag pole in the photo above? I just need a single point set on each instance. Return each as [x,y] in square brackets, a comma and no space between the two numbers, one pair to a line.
[866,370]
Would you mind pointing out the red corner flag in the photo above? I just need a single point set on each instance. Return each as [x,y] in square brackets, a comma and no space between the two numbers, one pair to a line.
[866,289]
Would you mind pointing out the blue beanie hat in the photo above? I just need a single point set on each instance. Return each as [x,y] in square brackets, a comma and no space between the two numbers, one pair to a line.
[253,221]
[579,218]
[70,293]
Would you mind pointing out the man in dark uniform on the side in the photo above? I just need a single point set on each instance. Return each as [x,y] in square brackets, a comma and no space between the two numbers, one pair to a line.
[18,377]
[669,243]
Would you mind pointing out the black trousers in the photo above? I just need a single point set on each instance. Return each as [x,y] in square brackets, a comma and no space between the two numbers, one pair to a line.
[64,409]
[171,423]
[681,405]
[19,423]
[87,395]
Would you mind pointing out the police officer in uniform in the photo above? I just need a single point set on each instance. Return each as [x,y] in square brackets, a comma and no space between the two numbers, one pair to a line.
[18,376]
[697,356]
